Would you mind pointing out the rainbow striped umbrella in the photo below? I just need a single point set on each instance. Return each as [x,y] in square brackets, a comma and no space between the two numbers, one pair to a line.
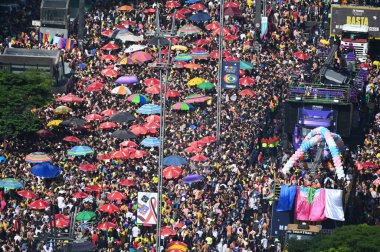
[138,98]
[182,106]
[37,157]
[183,57]
[189,29]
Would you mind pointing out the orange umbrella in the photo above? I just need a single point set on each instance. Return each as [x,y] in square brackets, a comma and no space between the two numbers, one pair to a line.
[109,208]
[125,8]
[193,66]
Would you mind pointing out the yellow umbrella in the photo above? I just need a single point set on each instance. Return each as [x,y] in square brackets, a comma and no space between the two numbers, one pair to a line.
[54,123]
[324,41]
[61,110]
[179,48]
[195,81]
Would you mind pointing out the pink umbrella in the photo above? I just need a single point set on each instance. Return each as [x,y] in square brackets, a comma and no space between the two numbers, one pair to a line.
[109,73]
[129,144]
[72,139]
[108,112]
[192,149]
[108,125]
[69,98]
[199,158]
[80,195]
[171,172]
[141,56]
[94,117]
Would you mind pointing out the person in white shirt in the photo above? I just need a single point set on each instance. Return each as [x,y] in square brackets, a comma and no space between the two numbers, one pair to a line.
[135,231]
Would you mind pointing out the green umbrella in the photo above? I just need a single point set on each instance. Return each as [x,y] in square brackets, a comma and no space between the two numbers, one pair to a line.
[85,216]
[11,183]
[138,98]
[246,65]
[182,106]
[206,85]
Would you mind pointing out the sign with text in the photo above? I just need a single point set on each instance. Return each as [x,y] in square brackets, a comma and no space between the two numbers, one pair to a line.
[230,74]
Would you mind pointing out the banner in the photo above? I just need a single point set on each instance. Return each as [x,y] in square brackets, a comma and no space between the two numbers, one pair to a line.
[147,208]
[62,43]
[334,204]
[230,74]
[286,200]
[355,15]
[264,27]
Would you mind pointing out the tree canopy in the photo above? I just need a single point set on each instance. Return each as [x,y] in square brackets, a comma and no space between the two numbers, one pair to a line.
[354,238]
[19,93]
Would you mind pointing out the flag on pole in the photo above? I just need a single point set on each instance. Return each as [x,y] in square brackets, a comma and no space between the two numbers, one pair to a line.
[334,204]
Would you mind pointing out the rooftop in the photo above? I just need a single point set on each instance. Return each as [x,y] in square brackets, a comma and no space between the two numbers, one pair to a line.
[29,56]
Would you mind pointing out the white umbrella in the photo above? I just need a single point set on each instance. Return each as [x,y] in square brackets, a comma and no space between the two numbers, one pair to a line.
[135,48]
[132,38]
[121,90]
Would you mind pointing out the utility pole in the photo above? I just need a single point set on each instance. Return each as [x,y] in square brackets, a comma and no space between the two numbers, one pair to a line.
[159,41]
[81,24]
[220,69]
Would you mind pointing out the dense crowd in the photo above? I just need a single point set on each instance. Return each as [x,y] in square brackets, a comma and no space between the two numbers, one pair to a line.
[230,209]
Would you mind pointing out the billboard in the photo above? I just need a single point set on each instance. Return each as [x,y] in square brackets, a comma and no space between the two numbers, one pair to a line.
[355,15]
[230,74]
[147,208]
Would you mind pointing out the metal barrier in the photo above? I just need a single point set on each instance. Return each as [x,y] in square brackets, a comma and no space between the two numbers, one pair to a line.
[319,93]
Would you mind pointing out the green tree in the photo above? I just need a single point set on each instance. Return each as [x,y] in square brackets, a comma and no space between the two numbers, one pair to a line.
[19,93]
[354,238]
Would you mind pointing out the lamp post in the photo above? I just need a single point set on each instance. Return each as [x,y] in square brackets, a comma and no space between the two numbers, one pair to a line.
[220,69]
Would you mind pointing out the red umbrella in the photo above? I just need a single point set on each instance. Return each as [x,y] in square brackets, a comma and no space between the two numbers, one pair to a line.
[116,196]
[363,65]
[152,125]
[184,11]
[172,94]
[129,144]
[138,130]
[149,11]
[152,82]
[108,125]
[192,150]
[80,195]
[110,46]
[197,7]
[198,49]
[153,118]
[60,223]
[139,154]
[301,56]
[109,72]
[118,27]
[167,231]
[199,158]
[106,226]
[72,139]
[174,250]
[104,156]
[247,81]
[120,155]
[232,5]
[178,225]
[38,205]
[172,4]
[109,57]
[128,22]
[202,42]
[108,112]
[208,139]
[215,54]
[87,167]
[178,16]
[212,26]
[152,90]
[94,87]
[69,98]
[27,194]
[109,208]
[230,11]
[193,66]
[171,172]
[93,188]
[230,58]
[94,117]
[127,182]
[61,216]
[129,150]
[107,33]
[197,144]
[247,92]
[141,56]
[225,31]
[230,37]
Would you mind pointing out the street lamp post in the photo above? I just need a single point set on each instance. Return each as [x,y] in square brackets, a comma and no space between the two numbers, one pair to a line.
[220,69]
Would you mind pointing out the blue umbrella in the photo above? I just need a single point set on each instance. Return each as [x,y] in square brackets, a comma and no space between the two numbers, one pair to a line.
[192,178]
[45,170]
[148,109]
[3,159]
[174,160]
[80,151]
[200,17]
[191,1]
[151,142]
[11,183]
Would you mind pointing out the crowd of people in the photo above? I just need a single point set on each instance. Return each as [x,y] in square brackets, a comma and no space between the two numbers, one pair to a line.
[230,209]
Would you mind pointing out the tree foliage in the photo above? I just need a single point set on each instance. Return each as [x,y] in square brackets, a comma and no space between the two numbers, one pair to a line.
[354,238]
[19,93]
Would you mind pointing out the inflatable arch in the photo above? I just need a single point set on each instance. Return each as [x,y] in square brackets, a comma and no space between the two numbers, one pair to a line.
[317,135]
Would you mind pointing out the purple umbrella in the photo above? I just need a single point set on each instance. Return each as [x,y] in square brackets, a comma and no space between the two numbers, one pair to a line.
[127,80]
[192,178]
